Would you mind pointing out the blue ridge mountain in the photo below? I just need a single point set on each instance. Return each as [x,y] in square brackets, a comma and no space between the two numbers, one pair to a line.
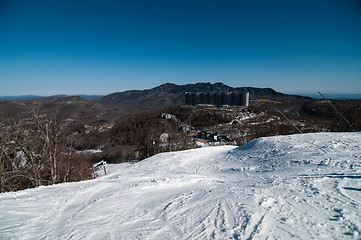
[168,94]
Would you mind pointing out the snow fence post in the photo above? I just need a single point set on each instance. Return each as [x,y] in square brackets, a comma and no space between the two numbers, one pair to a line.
[102,162]
[105,171]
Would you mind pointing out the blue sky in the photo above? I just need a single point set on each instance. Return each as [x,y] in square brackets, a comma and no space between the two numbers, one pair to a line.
[102,46]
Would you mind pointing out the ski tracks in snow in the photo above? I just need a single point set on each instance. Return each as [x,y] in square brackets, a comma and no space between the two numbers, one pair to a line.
[291,187]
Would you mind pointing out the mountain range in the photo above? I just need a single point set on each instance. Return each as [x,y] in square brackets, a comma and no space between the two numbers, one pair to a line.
[21,98]
[168,94]
[163,96]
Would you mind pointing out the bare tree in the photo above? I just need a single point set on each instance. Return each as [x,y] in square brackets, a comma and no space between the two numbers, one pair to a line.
[36,151]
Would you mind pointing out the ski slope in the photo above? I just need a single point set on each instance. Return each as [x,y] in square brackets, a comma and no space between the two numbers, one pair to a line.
[286,187]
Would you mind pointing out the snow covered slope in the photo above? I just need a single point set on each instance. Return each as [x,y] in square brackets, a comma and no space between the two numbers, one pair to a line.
[288,187]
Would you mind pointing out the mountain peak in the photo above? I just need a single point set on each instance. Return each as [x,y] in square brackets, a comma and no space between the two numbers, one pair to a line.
[170,94]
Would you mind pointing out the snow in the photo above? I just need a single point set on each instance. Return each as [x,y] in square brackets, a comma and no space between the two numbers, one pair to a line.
[305,186]
[90,151]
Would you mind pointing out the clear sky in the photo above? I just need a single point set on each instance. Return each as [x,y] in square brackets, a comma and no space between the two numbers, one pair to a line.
[102,46]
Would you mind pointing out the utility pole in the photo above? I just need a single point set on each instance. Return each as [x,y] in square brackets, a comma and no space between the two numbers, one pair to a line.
[349,124]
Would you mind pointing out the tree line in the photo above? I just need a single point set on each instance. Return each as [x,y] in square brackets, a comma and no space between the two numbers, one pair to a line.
[35,151]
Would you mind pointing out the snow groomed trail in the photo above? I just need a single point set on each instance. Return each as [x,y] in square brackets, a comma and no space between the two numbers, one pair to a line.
[304,186]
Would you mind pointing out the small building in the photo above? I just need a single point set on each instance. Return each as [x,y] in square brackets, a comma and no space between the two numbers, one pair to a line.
[166,116]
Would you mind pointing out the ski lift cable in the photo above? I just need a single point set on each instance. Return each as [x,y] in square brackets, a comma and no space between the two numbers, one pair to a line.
[349,124]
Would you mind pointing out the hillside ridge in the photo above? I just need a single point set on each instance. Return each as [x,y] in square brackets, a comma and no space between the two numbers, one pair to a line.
[169,94]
